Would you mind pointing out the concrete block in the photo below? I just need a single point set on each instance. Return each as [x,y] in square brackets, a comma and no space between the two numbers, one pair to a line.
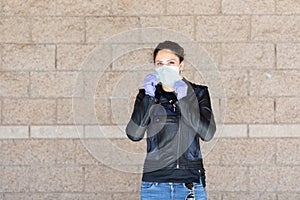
[29,111]
[15,178]
[102,178]
[249,195]
[221,178]
[287,7]
[87,111]
[14,84]
[231,130]
[235,82]
[28,57]
[14,132]
[83,8]
[288,195]
[103,111]
[264,178]
[222,28]
[249,110]
[101,28]
[193,7]
[283,130]
[269,28]
[131,195]
[283,83]
[56,179]
[83,155]
[65,111]
[176,28]
[56,131]
[248,7]
[287,151]
[15,30]
[139,59]
[287,110]
[56,84]
[288,179]
[58,29]
[29,8]
[72,57]
[248,55]
[288,56]
[137,8]
[254,152]
[105,132]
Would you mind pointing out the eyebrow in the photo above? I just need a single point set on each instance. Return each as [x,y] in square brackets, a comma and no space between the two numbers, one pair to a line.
[165,60]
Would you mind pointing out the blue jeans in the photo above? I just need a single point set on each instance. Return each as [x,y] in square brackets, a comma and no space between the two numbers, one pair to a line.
[172,191]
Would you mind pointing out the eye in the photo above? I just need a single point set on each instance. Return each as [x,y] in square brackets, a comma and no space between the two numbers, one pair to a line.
[159,64]
[171,62]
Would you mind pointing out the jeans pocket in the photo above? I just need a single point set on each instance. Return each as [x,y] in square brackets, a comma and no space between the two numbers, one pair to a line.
[147,185]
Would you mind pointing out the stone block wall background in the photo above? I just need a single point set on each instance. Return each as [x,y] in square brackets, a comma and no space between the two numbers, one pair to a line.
[254,43]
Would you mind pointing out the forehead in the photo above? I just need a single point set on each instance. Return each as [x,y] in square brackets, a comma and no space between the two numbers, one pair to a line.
[166,54]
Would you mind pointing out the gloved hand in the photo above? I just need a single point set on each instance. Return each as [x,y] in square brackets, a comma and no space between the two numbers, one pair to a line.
[149,84]
[180,88]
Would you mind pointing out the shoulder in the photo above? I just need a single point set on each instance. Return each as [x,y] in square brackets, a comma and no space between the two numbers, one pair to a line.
[141,94]
[198,89]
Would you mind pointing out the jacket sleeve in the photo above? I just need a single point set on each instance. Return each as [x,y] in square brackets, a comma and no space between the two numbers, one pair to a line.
[137,125]
[196,111]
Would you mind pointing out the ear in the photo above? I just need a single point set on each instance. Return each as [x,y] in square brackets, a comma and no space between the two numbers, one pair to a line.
[181,66]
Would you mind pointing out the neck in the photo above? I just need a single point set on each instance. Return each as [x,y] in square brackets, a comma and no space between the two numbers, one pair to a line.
[167,88]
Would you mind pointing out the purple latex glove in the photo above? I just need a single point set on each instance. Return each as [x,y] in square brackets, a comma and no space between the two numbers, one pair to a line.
[180,88]
[149,84]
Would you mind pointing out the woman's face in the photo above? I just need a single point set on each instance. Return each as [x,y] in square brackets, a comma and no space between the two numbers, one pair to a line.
[167,57]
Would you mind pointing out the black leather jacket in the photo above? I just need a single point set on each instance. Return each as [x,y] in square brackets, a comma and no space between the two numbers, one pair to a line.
[173,128]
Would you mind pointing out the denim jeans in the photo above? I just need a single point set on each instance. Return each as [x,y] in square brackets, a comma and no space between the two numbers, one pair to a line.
[172,191]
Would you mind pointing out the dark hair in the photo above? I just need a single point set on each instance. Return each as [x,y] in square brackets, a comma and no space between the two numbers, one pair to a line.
[173,46]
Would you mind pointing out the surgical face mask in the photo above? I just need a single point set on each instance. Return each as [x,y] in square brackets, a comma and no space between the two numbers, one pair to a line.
[168,75]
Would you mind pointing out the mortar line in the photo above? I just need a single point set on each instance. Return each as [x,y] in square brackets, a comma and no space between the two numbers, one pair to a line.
[249,82]
[250,28]
[84,181]
[275,108]
[56,110]
[165,3]
[1,104]
[29,131]
[195,27]
[219,14]
[275,56]
[55,57]
[85,27]
[55,14]
[221,7]
[275,9]
[2,12]
[110,7]
[31,29]
[221,64]
[248,131]
[29,86]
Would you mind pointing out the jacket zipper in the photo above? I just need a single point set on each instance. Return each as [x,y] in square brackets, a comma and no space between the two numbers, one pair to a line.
[177,156]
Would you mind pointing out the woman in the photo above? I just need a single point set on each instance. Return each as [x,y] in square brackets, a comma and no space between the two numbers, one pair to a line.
[175,113]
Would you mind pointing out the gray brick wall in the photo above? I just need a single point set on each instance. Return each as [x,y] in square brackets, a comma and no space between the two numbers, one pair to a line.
[51,149]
